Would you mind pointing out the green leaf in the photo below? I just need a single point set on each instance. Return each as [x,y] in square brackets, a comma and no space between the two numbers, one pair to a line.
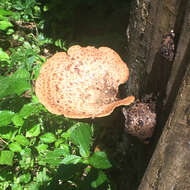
[7,132]
[71,159]
[6,117]
[15,84]
[6,157]
[29,109]
[42,147]
[4,56]
[5,12]
[25,178]
[22,140]
[17,120]
[100,179]
[4,24]
[48,138]
[82,135]
[55,157]
[34,131]
[15,147]
[99,160]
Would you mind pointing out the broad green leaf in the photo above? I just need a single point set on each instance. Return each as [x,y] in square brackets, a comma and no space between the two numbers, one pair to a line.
[29,109]
[42,147]
[4,24]
[34,131]
[82,136]
[21,73]
[22,140]
[15,84]
[6,157]
[16,186]
[4,56]
[25,178]
[100,160]
[48,138]
[71,159]
[15,147]
[6,12]
[100,179]
[17,120]
[55,157]
[6,117]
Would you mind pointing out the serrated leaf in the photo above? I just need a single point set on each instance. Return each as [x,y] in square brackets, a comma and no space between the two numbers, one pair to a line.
[48,138]
[100,179]
[34,131]
[71,159]
[100,160]
[22,140]
[4,24]
[6,157]
[17,120]
[15,147]
[82,135]
[6,117]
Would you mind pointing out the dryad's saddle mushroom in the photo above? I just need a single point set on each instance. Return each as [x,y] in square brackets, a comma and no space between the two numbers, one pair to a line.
[82,83]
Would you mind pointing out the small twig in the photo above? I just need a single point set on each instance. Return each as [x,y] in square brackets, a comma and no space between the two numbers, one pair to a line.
[3,141]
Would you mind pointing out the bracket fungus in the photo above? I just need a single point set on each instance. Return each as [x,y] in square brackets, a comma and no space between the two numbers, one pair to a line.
[82,83]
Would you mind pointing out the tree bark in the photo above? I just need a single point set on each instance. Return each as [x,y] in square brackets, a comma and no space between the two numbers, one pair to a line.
[169,167]
[150,73]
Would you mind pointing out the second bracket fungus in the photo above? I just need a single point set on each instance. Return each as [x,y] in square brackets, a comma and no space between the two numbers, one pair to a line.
[82,83]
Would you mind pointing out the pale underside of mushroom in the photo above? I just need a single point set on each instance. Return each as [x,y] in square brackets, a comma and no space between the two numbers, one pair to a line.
[82,83]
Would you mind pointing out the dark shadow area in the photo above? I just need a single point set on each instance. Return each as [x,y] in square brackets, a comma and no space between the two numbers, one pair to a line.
[157,84]
[96,23]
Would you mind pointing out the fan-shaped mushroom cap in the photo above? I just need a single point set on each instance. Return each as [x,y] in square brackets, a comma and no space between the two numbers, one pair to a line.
[82,83]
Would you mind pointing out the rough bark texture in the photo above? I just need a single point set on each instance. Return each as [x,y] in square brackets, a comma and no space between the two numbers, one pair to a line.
[169,168]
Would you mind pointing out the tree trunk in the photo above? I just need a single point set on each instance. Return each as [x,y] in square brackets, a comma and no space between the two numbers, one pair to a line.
[150,73]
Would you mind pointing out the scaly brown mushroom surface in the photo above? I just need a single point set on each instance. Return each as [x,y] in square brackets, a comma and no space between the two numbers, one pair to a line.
[82,83]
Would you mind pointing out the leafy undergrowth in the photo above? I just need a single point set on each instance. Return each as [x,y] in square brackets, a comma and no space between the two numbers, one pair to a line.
[38,150]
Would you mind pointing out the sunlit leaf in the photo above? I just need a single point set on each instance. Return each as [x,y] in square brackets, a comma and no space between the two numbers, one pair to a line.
[71,159]
[6,157]
[15,147]
[4,24]
[17,120]
[4,56]
[34,131]
[25,178]
[48,138]
[22,140]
